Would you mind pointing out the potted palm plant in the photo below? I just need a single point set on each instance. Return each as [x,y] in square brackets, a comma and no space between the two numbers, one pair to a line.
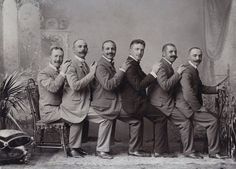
[10,90]
[12,141]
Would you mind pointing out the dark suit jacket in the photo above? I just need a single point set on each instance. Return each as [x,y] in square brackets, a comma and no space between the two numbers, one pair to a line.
[105,96]
[189,93]
[133,92]
[161,93]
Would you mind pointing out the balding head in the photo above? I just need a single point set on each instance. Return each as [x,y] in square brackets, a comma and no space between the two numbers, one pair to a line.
[80,48]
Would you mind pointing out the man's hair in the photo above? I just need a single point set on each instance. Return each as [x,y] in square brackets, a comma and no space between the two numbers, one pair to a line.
[55,48]
[137,41]
[73,45]
[107,42]
[167,44]
[194,48]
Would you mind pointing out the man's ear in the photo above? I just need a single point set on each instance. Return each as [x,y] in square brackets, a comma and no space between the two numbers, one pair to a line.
[163,53]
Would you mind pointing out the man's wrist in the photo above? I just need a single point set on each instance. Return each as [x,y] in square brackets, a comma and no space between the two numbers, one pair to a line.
[63,74]
[121,69]
[153,74]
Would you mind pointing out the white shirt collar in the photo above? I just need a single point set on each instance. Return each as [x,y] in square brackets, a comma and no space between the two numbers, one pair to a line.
[80,59]
[167,60]
[192,64]
[109,60]
[52,66]
[133,58]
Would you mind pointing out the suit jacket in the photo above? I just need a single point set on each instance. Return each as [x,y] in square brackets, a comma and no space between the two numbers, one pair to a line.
[189,92]
[106,100]
[50,84]
[161,93]
[134,98]
[77,94]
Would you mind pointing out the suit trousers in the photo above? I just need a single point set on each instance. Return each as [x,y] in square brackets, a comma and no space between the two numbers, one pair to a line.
[211,124]
[161,136]
[76,130]
[104,131]
[75,133]
[135,131]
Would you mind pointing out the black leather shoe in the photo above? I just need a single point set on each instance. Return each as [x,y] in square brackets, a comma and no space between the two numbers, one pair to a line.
[193,155]
[81,151]
[75,154]
[165,155]
[139,153]
[217,156]
[103,155]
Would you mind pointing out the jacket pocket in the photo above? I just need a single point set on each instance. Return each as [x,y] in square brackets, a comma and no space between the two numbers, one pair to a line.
[101,105]
[76,97]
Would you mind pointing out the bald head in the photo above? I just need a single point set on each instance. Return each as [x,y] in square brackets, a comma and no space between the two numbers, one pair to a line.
[80,48]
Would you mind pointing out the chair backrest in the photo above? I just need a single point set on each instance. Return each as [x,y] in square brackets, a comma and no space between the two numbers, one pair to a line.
[33,98]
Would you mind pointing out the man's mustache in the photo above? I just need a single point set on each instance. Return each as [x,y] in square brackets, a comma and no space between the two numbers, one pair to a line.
[82,52]
[174,56]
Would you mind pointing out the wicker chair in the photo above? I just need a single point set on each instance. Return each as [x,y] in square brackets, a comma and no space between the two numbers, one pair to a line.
[40,129]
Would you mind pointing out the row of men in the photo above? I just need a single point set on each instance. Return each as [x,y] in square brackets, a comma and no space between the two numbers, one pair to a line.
[74,92]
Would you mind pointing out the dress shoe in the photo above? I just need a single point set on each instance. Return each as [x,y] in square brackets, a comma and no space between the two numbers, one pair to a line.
[81,151]
[165,155]
[104,155]
[193,155]
[139,153]
[217,156]
[75,154]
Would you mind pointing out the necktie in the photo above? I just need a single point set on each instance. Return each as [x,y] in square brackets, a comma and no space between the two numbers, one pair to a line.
[85,67]
[112,63]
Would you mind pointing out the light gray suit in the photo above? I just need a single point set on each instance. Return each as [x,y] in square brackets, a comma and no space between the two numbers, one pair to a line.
[50,84]
[76,103]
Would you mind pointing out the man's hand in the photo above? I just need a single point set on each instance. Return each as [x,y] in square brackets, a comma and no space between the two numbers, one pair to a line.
[220,87]
[93,67]
[181,68]
[202,109]
[65,66]
[125,65]
[156,67]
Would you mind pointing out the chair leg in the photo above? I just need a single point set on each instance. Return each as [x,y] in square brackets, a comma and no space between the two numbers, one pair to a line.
[41,138]
[63,140]
[154,135]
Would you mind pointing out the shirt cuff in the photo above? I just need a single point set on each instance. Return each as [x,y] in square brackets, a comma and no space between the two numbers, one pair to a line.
[63,74]
[123,70]
[153,74]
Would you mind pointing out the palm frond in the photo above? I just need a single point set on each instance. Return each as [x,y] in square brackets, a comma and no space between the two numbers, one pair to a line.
[10,89]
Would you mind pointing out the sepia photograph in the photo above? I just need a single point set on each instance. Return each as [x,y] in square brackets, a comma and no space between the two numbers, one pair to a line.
[114,84]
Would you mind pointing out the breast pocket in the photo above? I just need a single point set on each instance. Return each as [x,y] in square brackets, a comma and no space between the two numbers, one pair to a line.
[76,96]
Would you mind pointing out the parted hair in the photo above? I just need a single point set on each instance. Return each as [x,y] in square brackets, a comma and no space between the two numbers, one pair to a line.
[137,41]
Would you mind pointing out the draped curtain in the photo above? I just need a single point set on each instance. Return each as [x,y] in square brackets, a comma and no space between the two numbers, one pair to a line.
[216,21]
[216,18]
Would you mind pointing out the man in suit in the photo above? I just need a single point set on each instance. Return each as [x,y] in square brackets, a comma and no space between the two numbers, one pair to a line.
[161,96]
[77,98]
[51,81]
[133,94]
[107,99]
[189,100]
